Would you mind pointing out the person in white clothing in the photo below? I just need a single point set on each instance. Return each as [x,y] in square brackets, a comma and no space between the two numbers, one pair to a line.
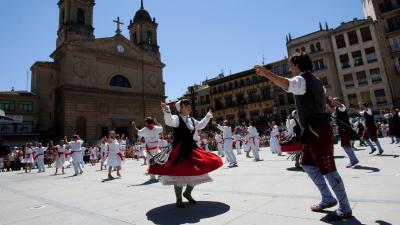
[236,139]
[220,143]
[93,155]
[103,153]
[227,135]
[115,156]
[39,157]
[151,133]
[253,135]
[60,156]
[163,143]
[76,153]
[274,141]
[28,158]
[205,143]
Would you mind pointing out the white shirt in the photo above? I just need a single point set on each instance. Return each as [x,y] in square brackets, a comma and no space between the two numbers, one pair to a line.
[342,108]
[275,132]
[76,146]
[252,132]
[39,150]
[218,138]
[103,148]
[60,148]
[236,137]
[163,143]
[366,111]
[290,124]
[114,146]
[173,120]
[227,131]
[151,136]
[297,85]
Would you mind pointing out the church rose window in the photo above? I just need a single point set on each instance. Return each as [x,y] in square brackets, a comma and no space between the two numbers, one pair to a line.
[120,81]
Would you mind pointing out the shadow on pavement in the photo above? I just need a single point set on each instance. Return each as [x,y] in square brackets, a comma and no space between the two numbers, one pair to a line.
[169,214]
[381,222]
[351,221]
[295,169]
[339,157]
[109,179]
[144,183]
[372,169]
[386,155]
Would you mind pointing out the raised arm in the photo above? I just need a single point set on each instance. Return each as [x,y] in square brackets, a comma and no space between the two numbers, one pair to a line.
[170,120]
[199,125]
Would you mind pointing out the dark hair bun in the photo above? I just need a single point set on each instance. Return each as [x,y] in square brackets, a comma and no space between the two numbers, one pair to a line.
[303,61]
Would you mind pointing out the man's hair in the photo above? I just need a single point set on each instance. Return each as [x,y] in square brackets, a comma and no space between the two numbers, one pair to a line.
[302,60]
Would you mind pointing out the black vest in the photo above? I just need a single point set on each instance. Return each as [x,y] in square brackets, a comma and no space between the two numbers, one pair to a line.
[342,118]
[311,105]
[369,120]
[297,128]
[184,136]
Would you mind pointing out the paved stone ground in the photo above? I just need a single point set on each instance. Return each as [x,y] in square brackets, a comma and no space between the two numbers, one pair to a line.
[267,192]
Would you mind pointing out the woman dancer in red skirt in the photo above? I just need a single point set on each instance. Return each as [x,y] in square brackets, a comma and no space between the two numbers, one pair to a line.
[187,164]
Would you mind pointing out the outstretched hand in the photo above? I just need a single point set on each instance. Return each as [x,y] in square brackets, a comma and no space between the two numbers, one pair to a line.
[260,70]
[163,105]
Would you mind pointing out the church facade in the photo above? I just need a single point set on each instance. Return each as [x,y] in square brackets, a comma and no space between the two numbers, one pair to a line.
[97,85]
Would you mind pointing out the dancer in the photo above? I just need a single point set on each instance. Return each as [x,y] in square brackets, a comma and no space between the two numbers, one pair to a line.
[60,157]
[39,157]
[114,157]
[371,129]
[317,159]
[103,152]
[93,154]
[252,144]
[187,165]
[76,153]
[28,158]
[220,143]
[345,129]
[227,135]
[151,133]
[274,140]
[291,144]
[236,139]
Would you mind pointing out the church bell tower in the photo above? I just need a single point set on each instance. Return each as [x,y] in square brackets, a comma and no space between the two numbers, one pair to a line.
[143,30]
[75,20]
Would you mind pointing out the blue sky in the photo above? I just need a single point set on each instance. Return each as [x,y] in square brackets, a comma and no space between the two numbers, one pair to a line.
[197,38]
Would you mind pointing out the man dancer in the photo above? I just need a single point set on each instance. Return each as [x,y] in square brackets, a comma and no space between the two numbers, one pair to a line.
[103,153]
[76,152]
[236,138]
[252,145]
[220,143]
[317,160]
[227,134]
[39,157]
[345,130]
[371,129]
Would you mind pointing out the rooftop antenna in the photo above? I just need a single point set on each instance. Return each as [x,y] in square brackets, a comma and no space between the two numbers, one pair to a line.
[263,60]
[27,80]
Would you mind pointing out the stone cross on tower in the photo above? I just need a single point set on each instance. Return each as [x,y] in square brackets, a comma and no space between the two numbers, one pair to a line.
[118,22]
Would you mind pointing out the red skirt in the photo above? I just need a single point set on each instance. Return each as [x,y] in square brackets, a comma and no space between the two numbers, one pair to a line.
[293,147]
[196,163]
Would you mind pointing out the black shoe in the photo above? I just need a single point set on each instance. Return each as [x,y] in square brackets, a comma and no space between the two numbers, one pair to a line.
[189,198]
[372,151]
[380,153]
[179,205]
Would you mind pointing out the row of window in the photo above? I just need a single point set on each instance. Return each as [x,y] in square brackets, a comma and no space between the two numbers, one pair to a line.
[362,78]
[380,98]
[357,58]
[352,37]
[237,84]
[10,106]
[313,48]
[23,128]
[388,5]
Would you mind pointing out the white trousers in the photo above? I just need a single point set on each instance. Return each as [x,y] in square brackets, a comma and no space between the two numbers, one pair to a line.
[229,152]
[237,145]
[40,163]
[220,150]
[77,156]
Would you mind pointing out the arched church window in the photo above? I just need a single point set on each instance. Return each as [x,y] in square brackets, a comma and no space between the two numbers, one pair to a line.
[134,36]
[120,81]
[81,16]
[149,38]
[81,127]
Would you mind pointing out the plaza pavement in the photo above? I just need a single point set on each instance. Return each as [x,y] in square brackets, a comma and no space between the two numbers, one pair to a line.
[267,192]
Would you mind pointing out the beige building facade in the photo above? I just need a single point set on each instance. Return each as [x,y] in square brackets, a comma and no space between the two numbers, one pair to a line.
[97,85]
[361,65]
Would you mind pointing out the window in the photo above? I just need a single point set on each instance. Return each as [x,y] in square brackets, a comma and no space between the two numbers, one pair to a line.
[344,61]
[357,57]
[312,48]
[324,81]
[375,75]
[348,80]
[81,16]
[241,83]
[285,68]
[240,99]
[149,38]
[281,100]
[340,42]
[365,34]
[318,45]
[353,102]
[380,97]
[7,106]
[25,128]
[362,78]
[228,101]
[303,49]
[219,89]
[207,99]
[353,39]
[120,81]
[395,44]
[266,93]
[202,100]
[218,104]
[26,106]
[393,24]
[366,97]
[225,87]
[253,96]
[230,86]
[319,64]
[371,56]
[277,70]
